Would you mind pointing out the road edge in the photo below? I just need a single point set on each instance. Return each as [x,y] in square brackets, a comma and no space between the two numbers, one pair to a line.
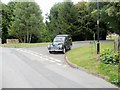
[81,68]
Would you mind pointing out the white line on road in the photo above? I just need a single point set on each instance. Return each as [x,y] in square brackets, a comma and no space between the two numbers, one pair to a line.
[43,57]
[59,64]
[51,60]
[57,60]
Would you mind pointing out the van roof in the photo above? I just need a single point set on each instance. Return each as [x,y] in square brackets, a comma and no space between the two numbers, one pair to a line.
[62,35]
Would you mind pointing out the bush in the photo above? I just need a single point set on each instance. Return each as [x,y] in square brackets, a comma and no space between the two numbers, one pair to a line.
[116,82]
[109,57]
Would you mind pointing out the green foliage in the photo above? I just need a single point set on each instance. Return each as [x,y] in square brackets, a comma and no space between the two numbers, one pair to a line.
[22,45]
[62,19]
[4,22]
[0,19]
[111,15]
[109,57]
[85,22]
[23,20]
[116,81]
[27,21]
[111,71]
[80,19]
[83,57]
[119,50]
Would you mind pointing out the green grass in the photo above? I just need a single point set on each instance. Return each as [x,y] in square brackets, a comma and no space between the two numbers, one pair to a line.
[20,45]
[87,58]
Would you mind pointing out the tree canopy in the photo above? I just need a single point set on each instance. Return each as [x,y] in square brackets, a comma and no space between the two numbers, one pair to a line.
[27,21]
[80,20]
[23,20]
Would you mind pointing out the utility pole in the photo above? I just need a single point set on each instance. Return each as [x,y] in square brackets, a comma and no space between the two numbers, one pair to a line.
[98,15]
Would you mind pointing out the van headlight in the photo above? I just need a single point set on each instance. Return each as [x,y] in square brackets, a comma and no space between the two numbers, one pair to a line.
[49,46]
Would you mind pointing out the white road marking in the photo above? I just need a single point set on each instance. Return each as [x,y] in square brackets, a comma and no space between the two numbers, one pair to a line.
[51,58]
[51,61]
[57,60]
[59,64]
[43,57]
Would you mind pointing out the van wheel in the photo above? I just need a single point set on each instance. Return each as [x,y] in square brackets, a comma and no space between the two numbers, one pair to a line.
[64,50]
[50,52]
[70,48]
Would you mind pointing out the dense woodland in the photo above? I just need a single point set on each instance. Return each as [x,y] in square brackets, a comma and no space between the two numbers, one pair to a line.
[24,21]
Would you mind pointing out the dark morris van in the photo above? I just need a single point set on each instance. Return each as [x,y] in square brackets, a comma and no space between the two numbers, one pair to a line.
[60,43]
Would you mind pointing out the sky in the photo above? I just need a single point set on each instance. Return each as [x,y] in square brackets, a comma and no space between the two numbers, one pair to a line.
[45,5]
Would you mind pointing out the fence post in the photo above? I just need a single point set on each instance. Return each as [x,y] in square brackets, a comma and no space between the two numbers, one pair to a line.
[116,42]
[0,41]
[119,44]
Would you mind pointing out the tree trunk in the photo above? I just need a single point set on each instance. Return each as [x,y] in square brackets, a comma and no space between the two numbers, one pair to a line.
[119,50]
[30,38]
[20,40]
[27,36]
[24,38]
[116,43]
[119,45]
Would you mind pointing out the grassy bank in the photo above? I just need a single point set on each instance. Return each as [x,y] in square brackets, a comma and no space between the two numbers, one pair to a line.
[87,58]
[20,45]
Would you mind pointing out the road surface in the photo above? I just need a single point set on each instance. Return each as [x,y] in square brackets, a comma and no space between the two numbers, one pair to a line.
[36,68]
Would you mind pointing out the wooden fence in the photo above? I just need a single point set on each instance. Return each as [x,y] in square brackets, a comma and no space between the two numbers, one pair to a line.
[12,41]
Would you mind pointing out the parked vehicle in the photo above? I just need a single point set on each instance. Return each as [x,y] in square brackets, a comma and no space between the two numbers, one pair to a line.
[60,43]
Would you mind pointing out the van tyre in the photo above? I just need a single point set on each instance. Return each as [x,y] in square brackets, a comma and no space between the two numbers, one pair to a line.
[50,52]
[64,51]
[70,48]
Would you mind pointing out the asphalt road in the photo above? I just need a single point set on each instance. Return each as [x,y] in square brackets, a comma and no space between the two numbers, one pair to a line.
[36,68]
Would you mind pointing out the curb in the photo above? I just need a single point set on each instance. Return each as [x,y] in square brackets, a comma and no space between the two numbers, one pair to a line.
[85,70]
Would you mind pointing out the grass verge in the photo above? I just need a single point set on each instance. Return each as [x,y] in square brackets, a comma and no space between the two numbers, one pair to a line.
[20,45]
[87,58]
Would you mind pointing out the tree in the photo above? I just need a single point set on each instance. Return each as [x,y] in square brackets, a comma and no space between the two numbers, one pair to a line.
[7,14]
[4,23]
[28,21]
[10,15]
[0,19]
[80,20]
[83,25]
[113,16]
[62,18]
[87,20]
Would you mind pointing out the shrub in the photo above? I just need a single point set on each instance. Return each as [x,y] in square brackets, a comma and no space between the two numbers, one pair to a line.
[116,81]
[109,57]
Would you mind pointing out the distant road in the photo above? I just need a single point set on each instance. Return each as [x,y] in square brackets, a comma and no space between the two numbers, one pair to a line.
[36,68]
